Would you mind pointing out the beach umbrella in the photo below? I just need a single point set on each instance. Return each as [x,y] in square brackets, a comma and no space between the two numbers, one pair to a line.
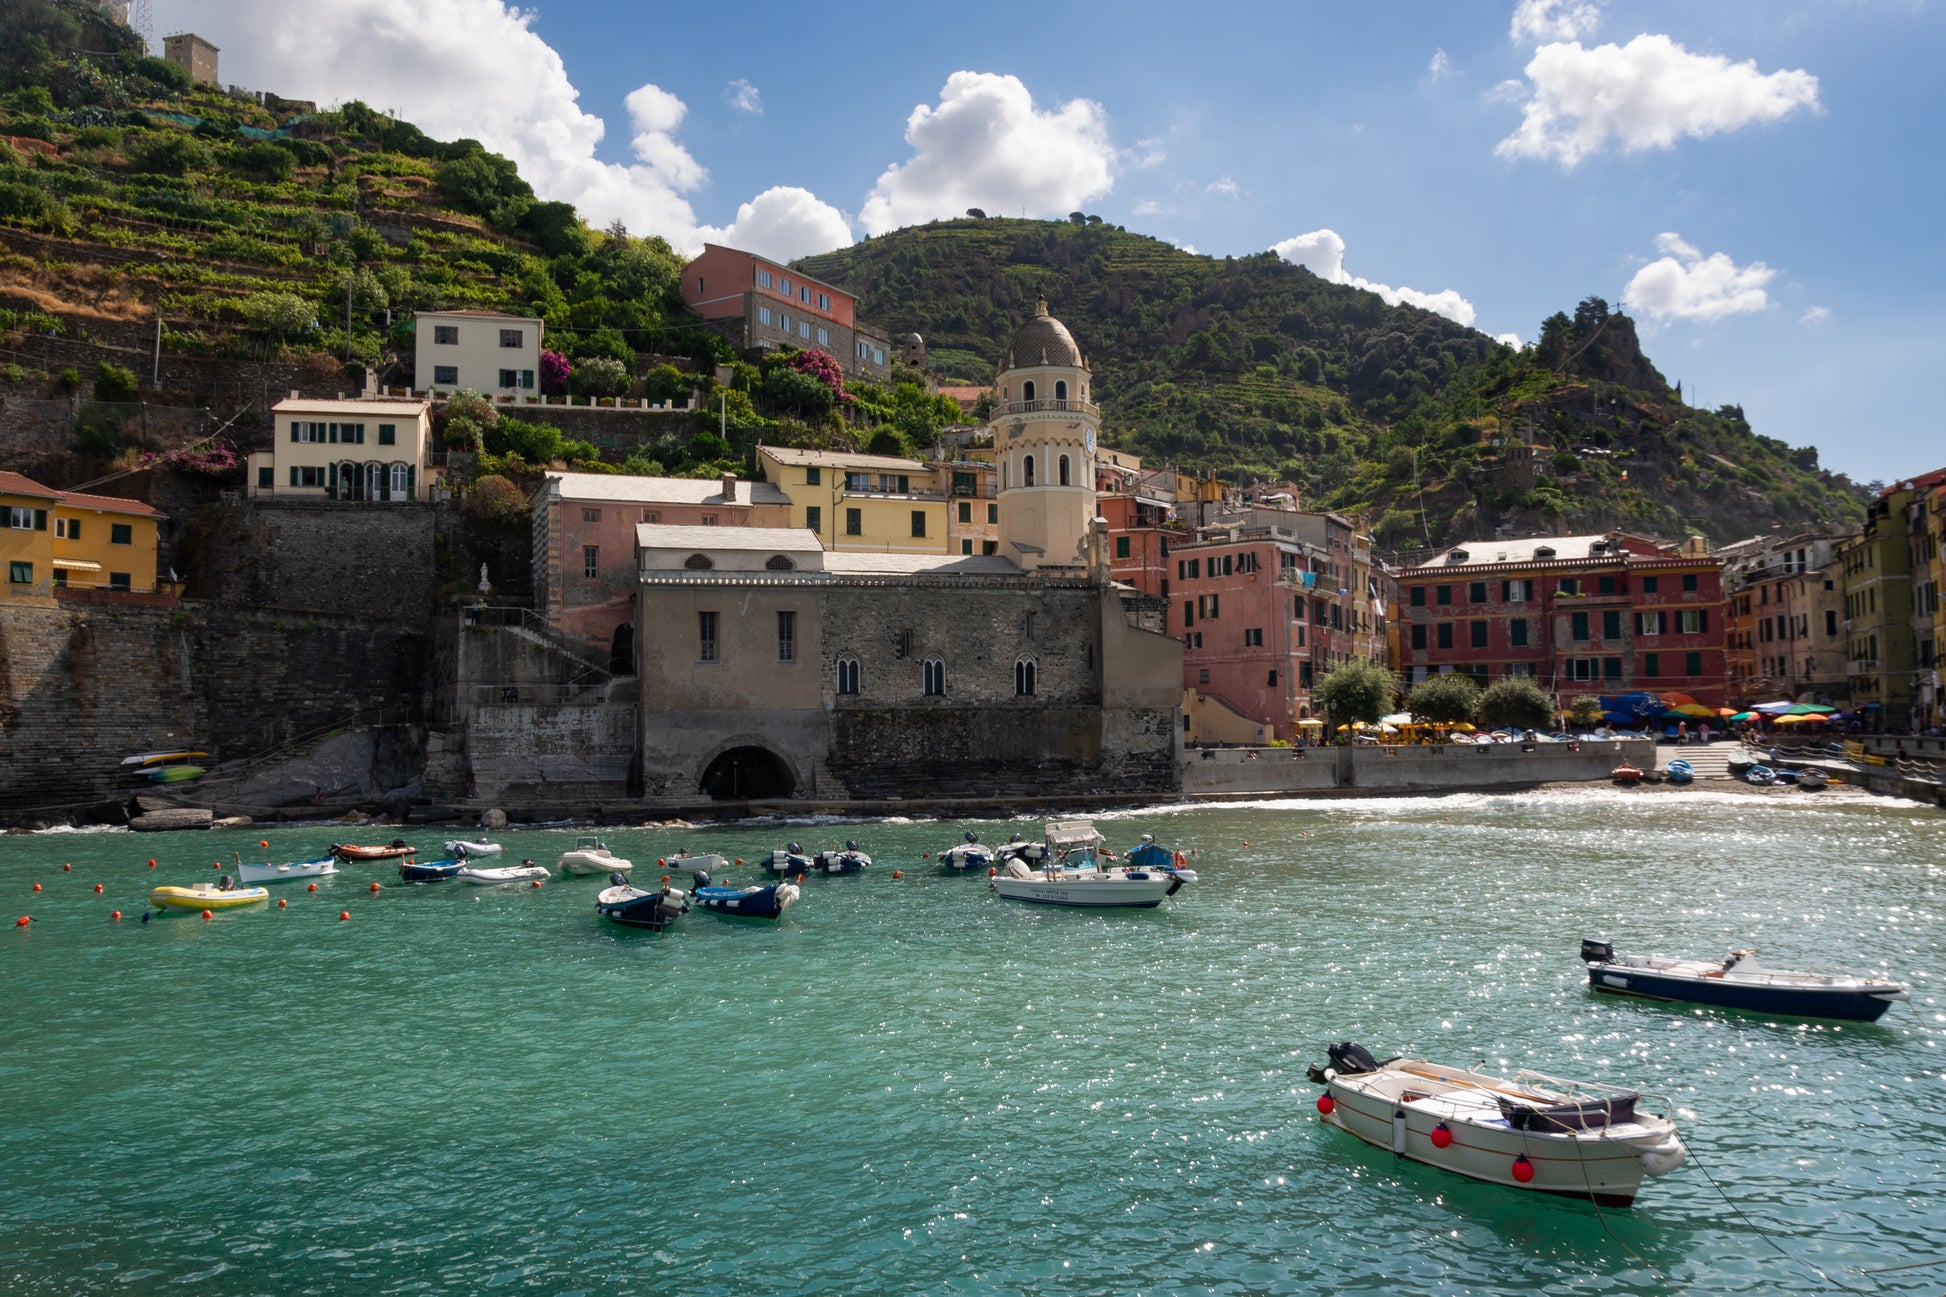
[1383,728]
[1310,723]
[1726,711]
[1396,718]
[1463,726]
[1696,710]
[1808,709]
[1744,716]
[1677,701]
[1773,709]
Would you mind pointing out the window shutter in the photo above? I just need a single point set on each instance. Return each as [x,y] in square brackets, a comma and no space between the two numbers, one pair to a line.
[332,480]
[40,520]
[411,472]
[293,431]
[1702,619]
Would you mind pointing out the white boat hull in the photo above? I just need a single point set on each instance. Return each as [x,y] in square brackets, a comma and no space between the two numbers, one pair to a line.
[266,872]
[456,848]
[503,874]
[1088,889]
[1399,1108]
[594,862]
[685,864]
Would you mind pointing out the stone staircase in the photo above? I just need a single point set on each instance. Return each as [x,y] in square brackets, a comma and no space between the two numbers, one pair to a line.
[1711,761]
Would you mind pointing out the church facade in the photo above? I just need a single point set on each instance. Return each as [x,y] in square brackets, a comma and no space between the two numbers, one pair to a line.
[772,668]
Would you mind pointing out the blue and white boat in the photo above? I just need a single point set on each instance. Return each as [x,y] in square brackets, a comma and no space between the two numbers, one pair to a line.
[1739,982]
[429,871]
[1149,854]
[1761,776]
[767,902]
[789,860]
[1680,771]
[251,871]
[1078,874]
[968,855]
[848,861]
[623,903]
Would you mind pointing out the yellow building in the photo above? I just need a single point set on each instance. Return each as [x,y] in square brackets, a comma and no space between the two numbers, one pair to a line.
[59,540]
[27,544]
[878,503]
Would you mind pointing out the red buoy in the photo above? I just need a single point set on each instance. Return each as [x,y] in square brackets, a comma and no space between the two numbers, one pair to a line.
[1442,1135]
[97,889]
[537,882]
[208,914]
[739,860]
[344,915]
[215,864]
[67,869]
[897,874]
[282,903]
[314,887]
[37,887]
[151,864]
[265,844]
[116,916]
[1523,1169]
[661,864]
[1326,1103]
[23,920]
[374,889]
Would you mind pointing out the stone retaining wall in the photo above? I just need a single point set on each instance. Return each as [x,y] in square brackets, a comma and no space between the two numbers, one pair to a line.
[1280,771]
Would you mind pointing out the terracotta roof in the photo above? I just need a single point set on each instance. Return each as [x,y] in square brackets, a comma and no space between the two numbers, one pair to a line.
[838,459]
[110,504]
[20,484]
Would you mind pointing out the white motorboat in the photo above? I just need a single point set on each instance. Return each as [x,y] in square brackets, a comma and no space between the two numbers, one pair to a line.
[1077,873]
[252,871]
[684,863]
[1740,982]
[591,856]
[969,855]
[1527,1131]
[459,848]
[491,875]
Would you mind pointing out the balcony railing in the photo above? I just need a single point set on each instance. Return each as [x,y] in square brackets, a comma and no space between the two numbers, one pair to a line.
[1048,407]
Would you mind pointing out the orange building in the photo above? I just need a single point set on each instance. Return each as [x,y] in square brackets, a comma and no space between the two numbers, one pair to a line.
[764,305]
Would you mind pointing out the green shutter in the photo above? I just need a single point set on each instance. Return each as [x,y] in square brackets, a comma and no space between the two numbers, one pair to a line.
[293,431]
[332,479]
[293,475]
[40,520]
[74,529]
[411,476]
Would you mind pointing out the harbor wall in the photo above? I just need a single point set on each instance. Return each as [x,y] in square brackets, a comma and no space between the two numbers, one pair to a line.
[1404,769]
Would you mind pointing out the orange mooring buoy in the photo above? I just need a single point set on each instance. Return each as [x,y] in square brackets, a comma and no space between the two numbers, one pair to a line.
[314,887]
[116,916]
[209,914]
[97,889]
[344,916]
[282,903]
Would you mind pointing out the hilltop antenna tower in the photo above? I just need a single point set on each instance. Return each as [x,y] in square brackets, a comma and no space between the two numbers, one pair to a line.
[141,18]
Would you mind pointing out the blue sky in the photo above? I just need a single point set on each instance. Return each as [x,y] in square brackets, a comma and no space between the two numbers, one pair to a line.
[1758,181]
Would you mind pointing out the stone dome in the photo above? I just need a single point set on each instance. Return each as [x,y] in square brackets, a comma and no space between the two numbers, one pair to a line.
[1043,340]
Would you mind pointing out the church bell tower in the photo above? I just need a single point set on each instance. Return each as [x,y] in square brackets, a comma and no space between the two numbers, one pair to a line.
[1044,429]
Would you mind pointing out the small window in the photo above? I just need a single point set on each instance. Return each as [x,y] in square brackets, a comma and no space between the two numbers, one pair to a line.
[1121,547]
[993,513]
[804,293]
[266,478]
[919,522]
[1445,593]
[709,520]
[1648,585]
[20,573]
[933,675]
[854,522]
[1445,634]
[848,675]
[445,335]
[1517,632]
[1479,634]
[804,329]
[1688,582]
[1060,389]
[510,378]
[445,375]
[878,355]
[787,636]
[814,518]
[813,475]
[706,636]
[1024,677]
[1418,596]
[67,529]
[1651,665]
[1253,637]
[824,301]
[651,515]
[591,515]
[1418,635]
[1202,676]
[699,563]
[778,563]
[763,279]
[1064,472]
[1027,390]
[1027,470]
[763,315]
[513,337]
[966,547]
[824,336]
[120,581]
[388,434]
[591,561]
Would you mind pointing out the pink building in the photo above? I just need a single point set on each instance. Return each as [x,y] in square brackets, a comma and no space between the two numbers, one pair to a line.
[585,573]
[762,305]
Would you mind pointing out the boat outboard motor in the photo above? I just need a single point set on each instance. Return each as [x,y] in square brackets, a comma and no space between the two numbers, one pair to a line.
[1015,838]
[793,848]
[850,845]
[1348,1058]
[226,883]
[617,880]
[1597,952]
[398,842]
[702,878]
[971,836]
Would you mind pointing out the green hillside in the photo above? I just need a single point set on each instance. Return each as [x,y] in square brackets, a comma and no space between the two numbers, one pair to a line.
[1259,370]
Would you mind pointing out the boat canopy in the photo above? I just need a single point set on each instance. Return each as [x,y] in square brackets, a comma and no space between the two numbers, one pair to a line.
[1065,835]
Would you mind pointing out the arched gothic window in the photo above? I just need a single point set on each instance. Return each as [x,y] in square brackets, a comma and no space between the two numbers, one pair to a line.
[1027,390]
[847,675]
[934,674]
[1060,389]
[1024,673]
[698,563]
[1027,471]
[1065,475]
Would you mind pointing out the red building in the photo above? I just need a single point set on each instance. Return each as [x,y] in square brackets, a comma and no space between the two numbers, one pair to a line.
[1581,614]
[761,305]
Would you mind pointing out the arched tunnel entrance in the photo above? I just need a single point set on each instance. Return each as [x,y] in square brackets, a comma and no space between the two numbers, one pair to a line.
[748,774]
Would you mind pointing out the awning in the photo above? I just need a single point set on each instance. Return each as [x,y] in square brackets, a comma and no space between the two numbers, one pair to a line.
[77,565]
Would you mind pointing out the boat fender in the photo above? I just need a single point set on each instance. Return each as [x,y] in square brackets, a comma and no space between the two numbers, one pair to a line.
[1180,862]
[1661,1159]
[1523,1170]
[1398,1132]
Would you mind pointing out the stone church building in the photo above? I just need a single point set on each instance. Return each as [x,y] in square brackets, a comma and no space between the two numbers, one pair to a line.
[771,668]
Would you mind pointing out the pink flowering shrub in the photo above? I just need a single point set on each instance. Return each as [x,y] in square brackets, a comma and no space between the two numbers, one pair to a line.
[211,461]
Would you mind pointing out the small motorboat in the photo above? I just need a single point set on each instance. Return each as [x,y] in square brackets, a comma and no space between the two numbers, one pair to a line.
[1148,854]
[176,774]
[492,875]
[684,863]
[848,861]
[351,851]
[1681,772]
[1626,774]
[1527,1131]
[591,856]
[223,894]
[429,871]
[968,855]
[1079,875]
[1811,778]
[251,871]
[1761,776]
[767,902]
[1739,766]
[1739,982]
[461,847]
[1017,847]
[789,860]
[622,902]
[163,757]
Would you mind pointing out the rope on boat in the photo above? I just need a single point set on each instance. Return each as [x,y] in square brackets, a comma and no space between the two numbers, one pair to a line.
[1759,1231]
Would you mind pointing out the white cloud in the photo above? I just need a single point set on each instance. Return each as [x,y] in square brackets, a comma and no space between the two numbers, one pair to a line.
[1147,207]
[986,145]
[1323,252]
[1441,66]
[1816,315]
[1509,340]
[1146,153]
[1537,21]
[783,223]
[1644,95]
[1684,284]
[1226,187]
[744,97]
[429,63]
[1511,91]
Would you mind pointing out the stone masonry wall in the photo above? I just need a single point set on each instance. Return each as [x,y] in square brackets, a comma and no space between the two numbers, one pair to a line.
[375,561]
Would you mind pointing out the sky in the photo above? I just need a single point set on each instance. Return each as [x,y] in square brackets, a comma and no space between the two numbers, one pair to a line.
[1757,182]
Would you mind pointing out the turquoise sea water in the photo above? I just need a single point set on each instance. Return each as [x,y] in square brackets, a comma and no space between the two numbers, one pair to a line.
[910,1086]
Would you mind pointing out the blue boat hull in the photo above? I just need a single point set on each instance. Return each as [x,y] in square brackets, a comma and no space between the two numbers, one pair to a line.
[431,871]
[643,912]
[758,904]
[1847,1004]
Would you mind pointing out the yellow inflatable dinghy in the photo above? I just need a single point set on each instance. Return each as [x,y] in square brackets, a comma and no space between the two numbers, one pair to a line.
[206,896]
